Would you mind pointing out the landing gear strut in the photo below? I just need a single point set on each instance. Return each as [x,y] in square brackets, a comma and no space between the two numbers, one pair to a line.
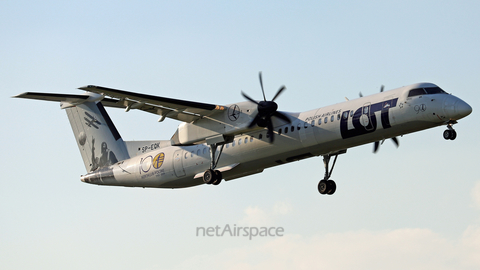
[212,176]
[450,133]
[327,186]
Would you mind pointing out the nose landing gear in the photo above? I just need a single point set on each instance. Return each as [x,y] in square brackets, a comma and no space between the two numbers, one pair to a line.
[450,133]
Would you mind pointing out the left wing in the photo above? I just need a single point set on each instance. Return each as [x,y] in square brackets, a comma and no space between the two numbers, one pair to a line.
[182,110]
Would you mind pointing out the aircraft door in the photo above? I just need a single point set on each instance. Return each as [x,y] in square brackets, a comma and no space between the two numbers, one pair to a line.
[178,163]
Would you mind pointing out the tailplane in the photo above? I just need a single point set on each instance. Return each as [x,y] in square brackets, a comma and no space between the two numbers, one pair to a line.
[97,138]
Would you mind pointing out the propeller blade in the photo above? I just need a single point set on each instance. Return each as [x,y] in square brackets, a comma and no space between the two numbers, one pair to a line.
[261,84]
[381,88]
[249,98]
[279,92]
[375,146]
[395,140]
[254,121]
[270,129]
[282,116]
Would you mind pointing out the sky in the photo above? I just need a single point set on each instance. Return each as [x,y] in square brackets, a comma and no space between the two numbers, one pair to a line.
[415,207]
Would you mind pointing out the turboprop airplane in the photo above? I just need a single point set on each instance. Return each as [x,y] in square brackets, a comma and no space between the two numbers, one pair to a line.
[216,142]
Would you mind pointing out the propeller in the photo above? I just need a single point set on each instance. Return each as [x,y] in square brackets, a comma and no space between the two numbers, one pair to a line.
[266,109]
[377,144]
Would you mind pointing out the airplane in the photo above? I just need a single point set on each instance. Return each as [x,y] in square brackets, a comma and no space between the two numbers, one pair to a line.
[225,142]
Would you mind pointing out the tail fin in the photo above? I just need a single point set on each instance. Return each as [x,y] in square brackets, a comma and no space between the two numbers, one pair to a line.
[97,138]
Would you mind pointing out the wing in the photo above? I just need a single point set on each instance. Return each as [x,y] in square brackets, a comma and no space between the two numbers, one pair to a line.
[182,110]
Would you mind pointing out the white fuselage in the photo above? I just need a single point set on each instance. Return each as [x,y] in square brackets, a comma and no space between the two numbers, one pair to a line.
[312,133]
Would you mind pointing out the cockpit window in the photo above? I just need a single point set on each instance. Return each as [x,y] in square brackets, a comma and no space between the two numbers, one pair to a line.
[423,91]
[416,92]
[434,90]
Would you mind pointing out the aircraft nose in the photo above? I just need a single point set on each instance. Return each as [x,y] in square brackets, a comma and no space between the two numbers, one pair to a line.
[456,108]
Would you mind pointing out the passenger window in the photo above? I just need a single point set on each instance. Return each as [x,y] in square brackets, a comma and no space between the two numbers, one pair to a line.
[319,121]
[279,131]
[331,118]
[198,152]
[312,123]
[246,139]
[239,141]
[186,155]
[345,115]
[260,136]
[233,143]
[292,129]
[251,139]
[326,120]
[305,125]
[225,146]
[351,113]
[286,130]
[416,92]
[298,126]
[338,116]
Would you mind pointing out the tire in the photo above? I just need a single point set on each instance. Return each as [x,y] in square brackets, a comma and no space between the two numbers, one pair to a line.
[209,176]
[453,135]
[332,187]
[218,178]
[323,187]
[447,134]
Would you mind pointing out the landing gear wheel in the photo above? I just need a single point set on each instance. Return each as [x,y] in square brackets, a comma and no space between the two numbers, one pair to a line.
[331,187]
[450,134]
[218,178]
[209,176]
[323,187]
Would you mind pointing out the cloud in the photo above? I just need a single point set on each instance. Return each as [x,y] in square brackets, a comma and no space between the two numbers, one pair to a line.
[256,216]
[408,248]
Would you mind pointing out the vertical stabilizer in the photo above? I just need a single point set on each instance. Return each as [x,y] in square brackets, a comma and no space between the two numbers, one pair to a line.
[98,140]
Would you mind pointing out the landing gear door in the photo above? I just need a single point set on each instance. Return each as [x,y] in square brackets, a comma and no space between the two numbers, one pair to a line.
[178,163]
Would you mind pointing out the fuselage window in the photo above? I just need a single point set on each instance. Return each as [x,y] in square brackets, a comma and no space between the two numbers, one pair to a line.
[246,139]
[365,110]
[260,136]
[312,123]
[331,118]
[239,141]
[319,121]
[286,130]
[326,120]
[251,139]
[186,155]
[292,129]
[305,125]
[351,113]
[279,131]
[338,116]
[233,143]
[345,115]
[198,152]
[225,146]
[298,126]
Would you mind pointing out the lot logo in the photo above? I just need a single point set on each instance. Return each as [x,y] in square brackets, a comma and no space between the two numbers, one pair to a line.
[158,160]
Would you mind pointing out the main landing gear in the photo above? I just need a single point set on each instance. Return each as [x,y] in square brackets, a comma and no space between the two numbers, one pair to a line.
[327,186]
[212,176]
[450,133]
